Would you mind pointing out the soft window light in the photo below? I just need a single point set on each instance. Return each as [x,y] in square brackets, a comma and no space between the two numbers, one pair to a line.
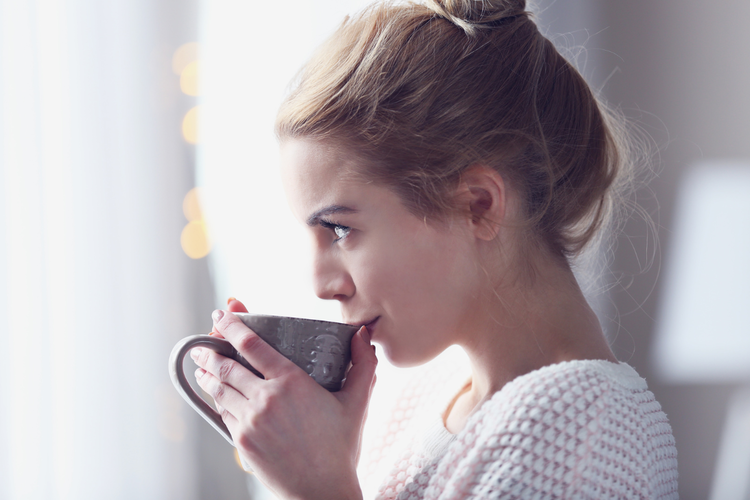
[703,334]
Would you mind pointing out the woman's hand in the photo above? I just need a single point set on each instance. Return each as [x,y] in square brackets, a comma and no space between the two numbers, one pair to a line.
[301,440]
[233,305]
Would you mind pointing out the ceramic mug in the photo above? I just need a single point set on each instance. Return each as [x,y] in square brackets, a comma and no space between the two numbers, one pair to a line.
[320,348]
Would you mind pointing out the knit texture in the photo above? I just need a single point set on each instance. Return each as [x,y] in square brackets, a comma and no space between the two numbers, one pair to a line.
[574,430]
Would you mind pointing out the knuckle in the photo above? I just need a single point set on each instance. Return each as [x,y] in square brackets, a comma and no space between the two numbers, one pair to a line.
[266,401]
[203,357]
[231,324]
[291,383]
[250,342]
[243,441]
[226,368]
[218,392]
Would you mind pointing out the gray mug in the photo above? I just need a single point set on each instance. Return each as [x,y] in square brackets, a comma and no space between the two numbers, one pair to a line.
[320,348]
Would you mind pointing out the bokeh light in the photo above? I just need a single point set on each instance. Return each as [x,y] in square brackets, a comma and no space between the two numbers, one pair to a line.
[190,125]
[183,56]
[194,240]
[191,205]
[190,78]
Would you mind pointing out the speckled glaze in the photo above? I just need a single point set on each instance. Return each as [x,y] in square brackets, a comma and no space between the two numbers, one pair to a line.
[321,348]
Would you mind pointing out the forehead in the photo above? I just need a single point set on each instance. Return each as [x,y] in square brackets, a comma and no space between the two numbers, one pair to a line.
[317,174]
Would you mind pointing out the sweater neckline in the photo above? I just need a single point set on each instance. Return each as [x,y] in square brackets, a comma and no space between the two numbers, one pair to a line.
[436,439]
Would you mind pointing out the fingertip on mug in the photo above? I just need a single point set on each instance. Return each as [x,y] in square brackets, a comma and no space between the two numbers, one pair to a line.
[365,334]
[217,315]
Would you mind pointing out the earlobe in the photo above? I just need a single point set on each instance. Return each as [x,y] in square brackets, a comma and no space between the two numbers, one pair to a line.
[485,190]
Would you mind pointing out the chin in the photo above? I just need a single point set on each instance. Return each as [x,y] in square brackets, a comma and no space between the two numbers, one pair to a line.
[403,359]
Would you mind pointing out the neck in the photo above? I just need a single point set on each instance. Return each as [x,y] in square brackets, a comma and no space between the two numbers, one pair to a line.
[528,327]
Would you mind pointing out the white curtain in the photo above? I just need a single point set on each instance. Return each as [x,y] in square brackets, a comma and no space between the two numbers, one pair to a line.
[93,283]
[250,53]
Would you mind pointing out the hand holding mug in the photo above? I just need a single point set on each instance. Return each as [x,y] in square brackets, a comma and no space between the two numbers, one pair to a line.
[298,437]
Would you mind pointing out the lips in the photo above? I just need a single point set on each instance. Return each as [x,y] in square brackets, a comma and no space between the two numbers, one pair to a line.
[371,324]
[367,324]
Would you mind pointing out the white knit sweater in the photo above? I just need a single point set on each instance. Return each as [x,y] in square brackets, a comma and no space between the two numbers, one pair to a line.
[574,430]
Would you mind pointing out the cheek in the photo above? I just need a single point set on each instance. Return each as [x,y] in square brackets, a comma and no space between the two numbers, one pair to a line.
[425,286]
[439,272]
[399,270]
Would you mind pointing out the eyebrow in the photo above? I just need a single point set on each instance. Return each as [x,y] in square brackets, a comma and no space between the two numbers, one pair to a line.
[314,219]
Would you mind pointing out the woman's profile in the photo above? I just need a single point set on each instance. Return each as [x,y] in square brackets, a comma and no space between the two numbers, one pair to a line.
[450,166]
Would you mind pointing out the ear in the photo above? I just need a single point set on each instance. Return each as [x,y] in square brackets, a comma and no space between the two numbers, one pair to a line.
[482,193]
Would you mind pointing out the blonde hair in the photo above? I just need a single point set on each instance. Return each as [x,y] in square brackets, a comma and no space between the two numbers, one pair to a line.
[422,91]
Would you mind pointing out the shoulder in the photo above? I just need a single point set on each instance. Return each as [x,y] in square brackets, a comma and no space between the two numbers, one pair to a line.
[563,396]
[574,427]
[558,405]
[573,390]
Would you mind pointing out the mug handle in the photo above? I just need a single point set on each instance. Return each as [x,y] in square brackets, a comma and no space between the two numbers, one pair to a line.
[177,374]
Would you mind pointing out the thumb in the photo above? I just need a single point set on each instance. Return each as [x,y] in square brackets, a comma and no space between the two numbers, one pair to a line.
[235,306]
[359,380]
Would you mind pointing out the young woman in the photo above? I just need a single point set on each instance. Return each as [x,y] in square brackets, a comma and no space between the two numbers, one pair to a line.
[450,164]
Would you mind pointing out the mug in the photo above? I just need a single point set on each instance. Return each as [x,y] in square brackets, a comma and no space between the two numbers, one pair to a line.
[320,348]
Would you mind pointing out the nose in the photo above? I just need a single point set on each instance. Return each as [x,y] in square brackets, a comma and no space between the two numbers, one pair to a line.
[331,280]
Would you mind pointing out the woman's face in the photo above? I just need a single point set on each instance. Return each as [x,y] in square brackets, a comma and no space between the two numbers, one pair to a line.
[412,283]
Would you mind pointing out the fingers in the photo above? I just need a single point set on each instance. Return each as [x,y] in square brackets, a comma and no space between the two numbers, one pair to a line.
[227,370]
[226,397]
[235,305]
[254,349]
[361,376]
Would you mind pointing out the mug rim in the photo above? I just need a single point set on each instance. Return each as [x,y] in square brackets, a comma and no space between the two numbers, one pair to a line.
[299,319]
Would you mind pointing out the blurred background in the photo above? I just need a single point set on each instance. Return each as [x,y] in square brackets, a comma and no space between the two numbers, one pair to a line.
[139,190]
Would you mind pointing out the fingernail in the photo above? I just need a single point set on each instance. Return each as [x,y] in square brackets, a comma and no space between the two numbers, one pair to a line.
[199,373]
[217,315]
[365,334]
[195,353]
[230,299]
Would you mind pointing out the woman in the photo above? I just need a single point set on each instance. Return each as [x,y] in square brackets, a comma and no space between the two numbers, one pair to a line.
[450,165]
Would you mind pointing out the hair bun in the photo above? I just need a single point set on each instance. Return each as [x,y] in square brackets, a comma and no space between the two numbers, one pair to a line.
[471,15]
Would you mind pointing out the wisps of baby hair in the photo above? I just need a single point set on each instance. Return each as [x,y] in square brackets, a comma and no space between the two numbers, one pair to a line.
[421,91]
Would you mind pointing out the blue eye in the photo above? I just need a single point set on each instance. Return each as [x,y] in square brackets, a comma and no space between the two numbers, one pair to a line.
[340,231]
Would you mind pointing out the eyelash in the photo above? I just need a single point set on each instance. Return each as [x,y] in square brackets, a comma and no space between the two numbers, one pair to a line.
[335,227]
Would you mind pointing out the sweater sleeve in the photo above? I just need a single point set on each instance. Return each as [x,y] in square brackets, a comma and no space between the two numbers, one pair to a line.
[563,434]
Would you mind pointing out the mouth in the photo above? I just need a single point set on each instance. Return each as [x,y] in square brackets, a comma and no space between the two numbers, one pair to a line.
[367,324]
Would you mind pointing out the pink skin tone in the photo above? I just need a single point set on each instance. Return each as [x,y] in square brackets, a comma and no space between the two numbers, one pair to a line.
[415,278]
[420,286]
[288,422]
